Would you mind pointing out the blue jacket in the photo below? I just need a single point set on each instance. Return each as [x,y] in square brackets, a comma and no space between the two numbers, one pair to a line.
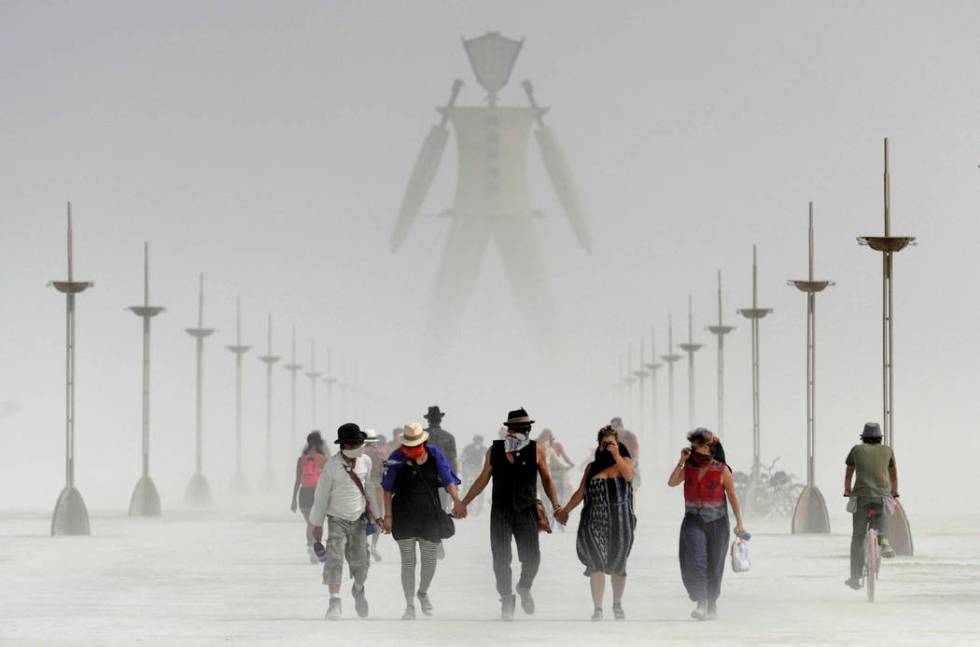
[397,459]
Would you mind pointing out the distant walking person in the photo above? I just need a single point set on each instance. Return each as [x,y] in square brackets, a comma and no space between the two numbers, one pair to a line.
[308,468]
[705,530]
[471,463]
[345,498]
[441,439]
[514,464]
[632,442]
[607,524]
[376,449]
[871,469]
[414,473]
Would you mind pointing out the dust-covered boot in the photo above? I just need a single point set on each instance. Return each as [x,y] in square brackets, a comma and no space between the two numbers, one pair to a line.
[507,605]
[701,611]
[333,611]
[425,604]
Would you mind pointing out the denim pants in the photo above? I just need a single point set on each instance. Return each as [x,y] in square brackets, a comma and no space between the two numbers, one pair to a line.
[346,540]
[861,520]
[703,548]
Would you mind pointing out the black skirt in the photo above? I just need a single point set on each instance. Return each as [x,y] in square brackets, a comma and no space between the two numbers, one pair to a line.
[415,502]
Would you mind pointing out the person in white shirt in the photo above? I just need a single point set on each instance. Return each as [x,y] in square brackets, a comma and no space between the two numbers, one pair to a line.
[346,496]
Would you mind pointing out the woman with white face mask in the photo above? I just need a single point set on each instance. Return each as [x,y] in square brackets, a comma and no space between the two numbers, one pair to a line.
[346,496]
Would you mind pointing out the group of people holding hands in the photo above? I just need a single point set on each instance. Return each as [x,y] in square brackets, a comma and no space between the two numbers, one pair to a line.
[353,499]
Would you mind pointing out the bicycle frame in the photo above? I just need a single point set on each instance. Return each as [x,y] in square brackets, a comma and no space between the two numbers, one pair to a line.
[872,558]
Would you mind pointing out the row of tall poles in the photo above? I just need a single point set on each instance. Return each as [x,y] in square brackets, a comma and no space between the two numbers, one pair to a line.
[810,514]
[71,515]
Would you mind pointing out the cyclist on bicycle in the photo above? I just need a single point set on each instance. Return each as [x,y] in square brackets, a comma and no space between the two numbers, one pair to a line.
[871,467]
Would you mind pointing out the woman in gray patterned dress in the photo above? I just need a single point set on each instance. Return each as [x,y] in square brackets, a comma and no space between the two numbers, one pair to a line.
[605,531]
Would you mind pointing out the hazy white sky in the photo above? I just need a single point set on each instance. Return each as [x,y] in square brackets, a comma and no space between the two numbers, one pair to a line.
[268,145]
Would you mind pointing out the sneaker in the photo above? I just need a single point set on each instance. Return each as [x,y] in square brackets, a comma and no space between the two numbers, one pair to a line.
[597,615]
[886,550]
[360,601]
[618,612]
[409,613]
[527,602]
[507,604]
[854,583]
[701,611]
[333,611]
[425,603]
[712,611]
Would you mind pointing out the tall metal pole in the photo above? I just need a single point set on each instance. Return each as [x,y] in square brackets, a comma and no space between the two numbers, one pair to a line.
[269,360]
[719,331]
[628,378]
[293,369]
[238,483]
[640,374]
[313,374]
[898,530]
[70,514]
[653,366]
[198,491]
[145,501]
[671,358]
[690,348]
[620,386]
[810,515]
[343,382]
[330,380]
[754,314]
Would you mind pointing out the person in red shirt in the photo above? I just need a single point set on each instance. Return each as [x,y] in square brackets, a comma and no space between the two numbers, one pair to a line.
[308,468]
[708,488]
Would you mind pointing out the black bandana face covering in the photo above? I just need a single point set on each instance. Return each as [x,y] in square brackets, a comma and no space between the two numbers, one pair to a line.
[604,458]
[699,460]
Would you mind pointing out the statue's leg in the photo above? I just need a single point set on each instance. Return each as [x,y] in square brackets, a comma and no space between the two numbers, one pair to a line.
[525,269]
[465,249]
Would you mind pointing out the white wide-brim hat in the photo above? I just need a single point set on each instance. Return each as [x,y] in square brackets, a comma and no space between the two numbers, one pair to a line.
[413,435]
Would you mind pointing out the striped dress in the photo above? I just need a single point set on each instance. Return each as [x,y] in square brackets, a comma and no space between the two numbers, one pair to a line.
[605,530]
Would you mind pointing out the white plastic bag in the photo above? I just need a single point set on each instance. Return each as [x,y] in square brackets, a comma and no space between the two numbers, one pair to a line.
[740,556]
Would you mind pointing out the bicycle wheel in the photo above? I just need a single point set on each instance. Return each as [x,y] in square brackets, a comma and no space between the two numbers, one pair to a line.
[871,563]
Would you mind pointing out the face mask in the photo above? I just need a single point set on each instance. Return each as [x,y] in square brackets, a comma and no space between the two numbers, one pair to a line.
[700,460]
[353,453]
[415,453]
[514,442]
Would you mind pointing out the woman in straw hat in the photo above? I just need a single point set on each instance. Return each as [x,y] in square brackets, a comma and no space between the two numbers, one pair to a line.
[414,473]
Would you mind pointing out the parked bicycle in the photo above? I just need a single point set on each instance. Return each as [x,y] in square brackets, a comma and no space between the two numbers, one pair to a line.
[772,493]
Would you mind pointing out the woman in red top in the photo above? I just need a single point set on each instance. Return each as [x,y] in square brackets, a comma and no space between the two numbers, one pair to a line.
[705,531]
[308,468]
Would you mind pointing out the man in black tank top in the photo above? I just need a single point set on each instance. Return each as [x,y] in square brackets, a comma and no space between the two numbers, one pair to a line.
[514,464]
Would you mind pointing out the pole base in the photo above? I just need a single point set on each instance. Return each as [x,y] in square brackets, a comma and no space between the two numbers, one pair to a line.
[198,493]
[239,486]
[898,532]
[810,516]
[70,514]
[145,501]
